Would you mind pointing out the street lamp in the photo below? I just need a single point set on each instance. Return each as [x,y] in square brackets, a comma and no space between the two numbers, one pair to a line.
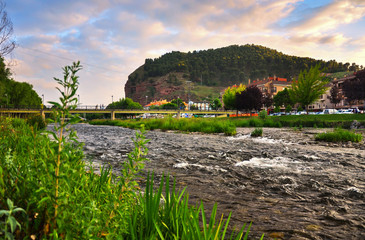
[146,100]
[112,99]
[189,95]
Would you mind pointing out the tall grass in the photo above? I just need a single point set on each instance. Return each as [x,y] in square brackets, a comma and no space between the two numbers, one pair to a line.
[339,135]
[184,125]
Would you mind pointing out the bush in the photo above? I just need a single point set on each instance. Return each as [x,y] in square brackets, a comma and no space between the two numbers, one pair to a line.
[257,132]
[339,135]
[37,122]
[263,114]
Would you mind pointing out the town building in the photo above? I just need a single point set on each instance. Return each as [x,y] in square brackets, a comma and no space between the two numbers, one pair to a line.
[271,86]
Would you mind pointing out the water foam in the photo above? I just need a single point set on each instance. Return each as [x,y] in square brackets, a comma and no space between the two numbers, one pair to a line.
[277,162]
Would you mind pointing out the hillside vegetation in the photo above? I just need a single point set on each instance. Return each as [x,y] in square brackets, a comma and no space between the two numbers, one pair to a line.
[233,64]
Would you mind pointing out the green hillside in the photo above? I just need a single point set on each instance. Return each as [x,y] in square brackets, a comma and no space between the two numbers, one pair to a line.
[221,67]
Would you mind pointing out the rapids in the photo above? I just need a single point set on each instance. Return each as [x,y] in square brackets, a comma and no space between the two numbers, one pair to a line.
[288,185]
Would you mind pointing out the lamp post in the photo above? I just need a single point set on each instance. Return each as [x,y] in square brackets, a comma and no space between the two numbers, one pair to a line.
[188,94]
[146,100]
[112,99]
[7,99]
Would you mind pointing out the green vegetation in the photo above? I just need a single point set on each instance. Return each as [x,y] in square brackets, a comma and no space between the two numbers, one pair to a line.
[185,125]
[16,94]
[229,96]
[257,132]
[308,87]
[63,197]
[125,103]
[321,121]
[228,125]
[230,65]
[339,135]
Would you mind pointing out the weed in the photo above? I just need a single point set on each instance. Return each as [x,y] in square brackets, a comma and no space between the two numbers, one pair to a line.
[339,135]
[257,132]
[10,221]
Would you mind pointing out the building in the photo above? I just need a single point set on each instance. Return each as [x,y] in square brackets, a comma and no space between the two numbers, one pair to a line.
[271,86]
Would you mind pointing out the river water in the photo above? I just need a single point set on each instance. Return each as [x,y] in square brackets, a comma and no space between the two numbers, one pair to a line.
[288,185]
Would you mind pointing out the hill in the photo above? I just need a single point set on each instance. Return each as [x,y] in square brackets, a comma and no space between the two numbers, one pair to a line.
[201,75]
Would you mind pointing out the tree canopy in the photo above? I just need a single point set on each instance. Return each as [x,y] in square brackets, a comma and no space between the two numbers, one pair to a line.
[125,103]
[230,65]
[249,99]
[309,86]
[354,90]
[16,94]
[282,98]
[229,96]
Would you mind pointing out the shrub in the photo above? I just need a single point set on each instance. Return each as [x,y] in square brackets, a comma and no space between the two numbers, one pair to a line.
[256,122]
[263,114]
[257,132]
[37,122]
[339,135]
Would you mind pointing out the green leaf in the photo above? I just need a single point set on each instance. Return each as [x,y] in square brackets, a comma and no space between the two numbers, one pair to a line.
[12,223]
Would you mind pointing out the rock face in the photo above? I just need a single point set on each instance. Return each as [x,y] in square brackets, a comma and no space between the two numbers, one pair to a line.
[157,88]
[287,184]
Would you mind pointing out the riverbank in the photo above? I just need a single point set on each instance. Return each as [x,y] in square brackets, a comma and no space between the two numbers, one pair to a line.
[285,182]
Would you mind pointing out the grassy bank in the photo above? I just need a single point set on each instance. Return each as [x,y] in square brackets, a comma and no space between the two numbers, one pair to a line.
[186,125]
[228,125]
[321,121]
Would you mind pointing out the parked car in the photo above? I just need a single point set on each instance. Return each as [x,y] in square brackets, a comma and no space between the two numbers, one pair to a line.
[345,111]
[330,111]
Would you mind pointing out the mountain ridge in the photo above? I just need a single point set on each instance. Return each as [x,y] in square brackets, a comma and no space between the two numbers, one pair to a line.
[201,75]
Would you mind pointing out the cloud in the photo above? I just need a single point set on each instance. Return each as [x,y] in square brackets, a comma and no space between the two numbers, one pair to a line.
[112,38]
[329,17]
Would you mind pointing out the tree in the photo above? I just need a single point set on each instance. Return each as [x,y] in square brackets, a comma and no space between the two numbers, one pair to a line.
[215,104]
[282,98]
[229,96]
[179,103]
[267,101]
[354,90]
[335,95]
[125,103]
[309,86]
[13,93]
[249,99]
[169,106]
[6,30]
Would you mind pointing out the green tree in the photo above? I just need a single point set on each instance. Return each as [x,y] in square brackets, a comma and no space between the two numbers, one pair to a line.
[169,106]
[282,98]
[13,93]
[125,103]
[229,96]
[179,103]
[309,86]
[215,104]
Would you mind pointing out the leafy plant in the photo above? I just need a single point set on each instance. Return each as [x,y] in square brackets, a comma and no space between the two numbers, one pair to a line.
[263,114]
[10,221]
[257,132]
[61,112]
[339,135]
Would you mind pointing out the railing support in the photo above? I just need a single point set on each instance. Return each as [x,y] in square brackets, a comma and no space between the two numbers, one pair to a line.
[112,115]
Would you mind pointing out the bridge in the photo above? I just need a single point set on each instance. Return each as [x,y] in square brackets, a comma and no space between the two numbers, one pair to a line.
[112,112]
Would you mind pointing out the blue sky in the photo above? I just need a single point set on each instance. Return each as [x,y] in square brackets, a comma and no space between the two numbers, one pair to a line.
[112,38]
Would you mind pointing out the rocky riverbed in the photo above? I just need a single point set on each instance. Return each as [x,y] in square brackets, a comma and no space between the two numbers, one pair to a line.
[288,185]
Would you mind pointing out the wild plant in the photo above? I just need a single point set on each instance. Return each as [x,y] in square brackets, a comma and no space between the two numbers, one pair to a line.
[61,112]
[10,221]
[257,132]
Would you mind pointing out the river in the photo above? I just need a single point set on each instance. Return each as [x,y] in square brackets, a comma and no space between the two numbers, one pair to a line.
[287,184]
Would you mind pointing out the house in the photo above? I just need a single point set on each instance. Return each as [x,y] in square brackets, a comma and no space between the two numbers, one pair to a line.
[271,86]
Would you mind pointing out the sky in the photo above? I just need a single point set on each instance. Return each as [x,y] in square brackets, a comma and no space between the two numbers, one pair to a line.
[111,38]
